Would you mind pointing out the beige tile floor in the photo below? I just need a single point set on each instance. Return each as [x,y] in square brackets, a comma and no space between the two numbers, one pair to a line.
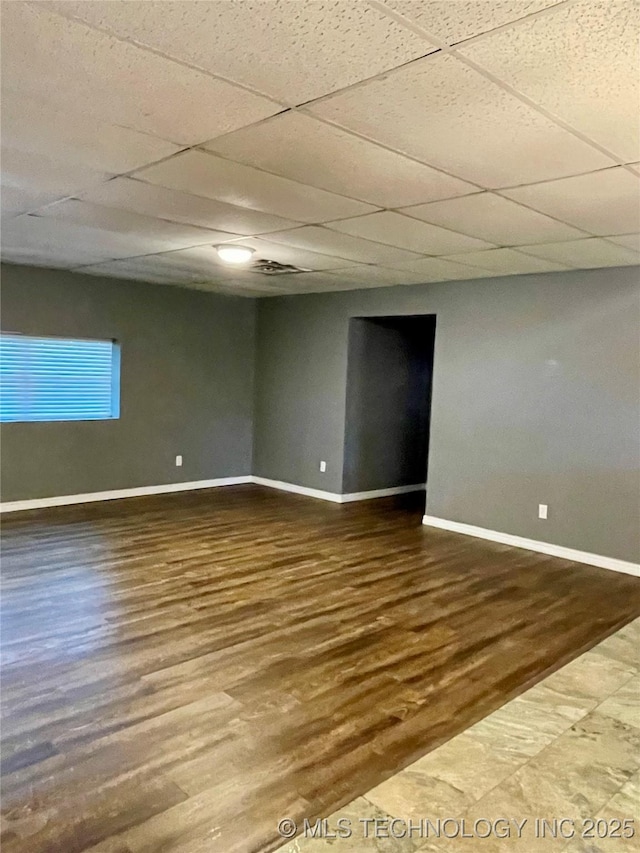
[568,749]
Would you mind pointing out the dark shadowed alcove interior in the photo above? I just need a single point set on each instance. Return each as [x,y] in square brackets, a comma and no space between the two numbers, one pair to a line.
[390,365]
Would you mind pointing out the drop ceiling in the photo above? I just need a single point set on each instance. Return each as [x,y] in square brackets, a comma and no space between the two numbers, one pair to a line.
[369,143]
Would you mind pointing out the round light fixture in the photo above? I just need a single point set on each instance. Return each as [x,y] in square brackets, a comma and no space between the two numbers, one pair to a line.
[234,254]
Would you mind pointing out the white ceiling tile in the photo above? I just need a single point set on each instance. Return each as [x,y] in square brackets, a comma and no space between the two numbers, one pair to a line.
[232,289]
[199,263]
[397,230]
[192,266]
[213,177]
[265,45]
[133,224]
[629,241]
[508,262]
[444,113]
[17,200]
[285,253]
[605,202]
[97,102]
[255,280]
[580,63]
[442,269]
[495,219]
[257,287]
[77,139]
[92,73]
[36,233]
[40,255]
[307,150]
[203,263]
[139,197]
[317,282]
[424,271]
[452,22]
[314,237]
[589,253]
[43,180]
[131,269]
[136,269]
[379,276]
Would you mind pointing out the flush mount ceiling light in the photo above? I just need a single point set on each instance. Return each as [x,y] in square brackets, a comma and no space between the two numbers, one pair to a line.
[234,254]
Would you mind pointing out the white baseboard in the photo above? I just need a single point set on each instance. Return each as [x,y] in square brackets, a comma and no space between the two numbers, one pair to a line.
[335,497]
[382,493]
[140,491]
[429,520]
[90,497]
[298,490]
[533,545]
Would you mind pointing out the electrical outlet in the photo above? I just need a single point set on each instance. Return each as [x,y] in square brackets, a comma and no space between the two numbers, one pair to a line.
[178,461]
[542,510]
[323,467]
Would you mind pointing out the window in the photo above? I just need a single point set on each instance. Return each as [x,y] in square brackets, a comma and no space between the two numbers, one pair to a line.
[58,379]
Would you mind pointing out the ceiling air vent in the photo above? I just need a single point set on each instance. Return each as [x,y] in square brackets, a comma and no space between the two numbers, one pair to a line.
[274,268]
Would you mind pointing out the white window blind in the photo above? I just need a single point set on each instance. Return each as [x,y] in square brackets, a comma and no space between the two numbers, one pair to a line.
[58,379]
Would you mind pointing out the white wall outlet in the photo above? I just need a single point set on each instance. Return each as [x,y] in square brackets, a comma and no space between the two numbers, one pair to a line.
[542,510]
[178,461]
[323,466]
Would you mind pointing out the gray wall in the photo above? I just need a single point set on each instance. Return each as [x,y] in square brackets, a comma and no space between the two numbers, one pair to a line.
[535,394]
[535,400]
[388,400]
[186,385]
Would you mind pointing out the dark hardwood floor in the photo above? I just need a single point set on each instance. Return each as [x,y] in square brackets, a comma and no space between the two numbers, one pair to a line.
[182,671]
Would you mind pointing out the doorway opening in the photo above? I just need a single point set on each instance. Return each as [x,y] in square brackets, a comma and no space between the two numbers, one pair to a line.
[388,405]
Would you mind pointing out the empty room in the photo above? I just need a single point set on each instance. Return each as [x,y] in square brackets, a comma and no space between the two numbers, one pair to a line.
[320,426]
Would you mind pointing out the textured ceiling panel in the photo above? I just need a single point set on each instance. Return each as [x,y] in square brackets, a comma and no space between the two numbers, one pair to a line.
[79,140]
[213,177]
[397,230]
[137,270]
[89,72]
[43,234]
[495,219]
[629,241]
[44,255]
[581,63]
[307,150]
[139,197]
[441,269]
[172,234]
[299,256]
[147,269]
[304,49]
[342,245]
[18,200]
[322,282]
[509,262]
[38,180]
[338,281]
[100,98]
[380,276]
[446,114]
[196,263]
[585,254]
[452,21]
[606,202]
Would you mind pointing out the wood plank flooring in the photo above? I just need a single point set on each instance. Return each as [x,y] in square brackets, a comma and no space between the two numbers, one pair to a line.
[182,671]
